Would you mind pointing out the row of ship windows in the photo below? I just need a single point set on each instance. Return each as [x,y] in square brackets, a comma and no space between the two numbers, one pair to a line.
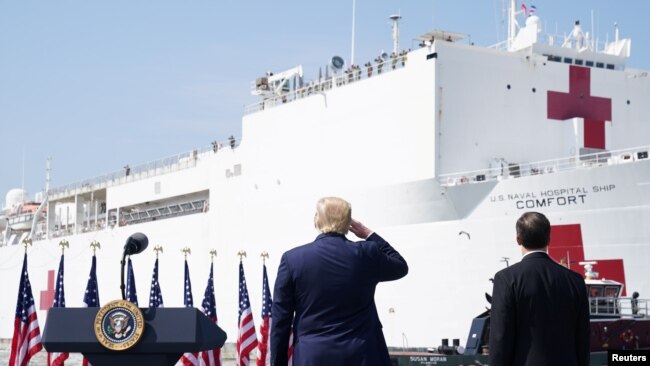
[568,60]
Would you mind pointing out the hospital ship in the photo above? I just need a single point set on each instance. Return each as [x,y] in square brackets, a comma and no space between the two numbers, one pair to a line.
[439,149]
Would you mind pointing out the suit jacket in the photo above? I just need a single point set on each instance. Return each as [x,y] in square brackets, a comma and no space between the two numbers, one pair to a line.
[539,315]
[330,286]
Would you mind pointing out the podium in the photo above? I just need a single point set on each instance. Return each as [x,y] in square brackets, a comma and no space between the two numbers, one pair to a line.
[168,333]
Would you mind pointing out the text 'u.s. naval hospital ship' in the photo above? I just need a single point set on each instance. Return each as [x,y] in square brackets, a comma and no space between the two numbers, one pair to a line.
[439,149]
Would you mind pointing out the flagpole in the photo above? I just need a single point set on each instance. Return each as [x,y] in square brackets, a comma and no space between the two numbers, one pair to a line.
[58,358]
[26,340]
[263,350]
[213,253]
[91,296]
[155,294]
[210,357]
[246,338]
[95,245]
[27,242]
[64,244]
[188,358]
[241,254]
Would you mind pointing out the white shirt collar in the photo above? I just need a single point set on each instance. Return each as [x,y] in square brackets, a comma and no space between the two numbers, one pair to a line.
[534,251]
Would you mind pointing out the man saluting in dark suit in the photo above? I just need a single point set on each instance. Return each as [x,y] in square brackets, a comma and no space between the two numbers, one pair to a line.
[330,286]
[540,310]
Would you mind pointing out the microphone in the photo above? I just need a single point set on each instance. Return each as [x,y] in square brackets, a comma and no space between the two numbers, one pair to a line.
[135,244]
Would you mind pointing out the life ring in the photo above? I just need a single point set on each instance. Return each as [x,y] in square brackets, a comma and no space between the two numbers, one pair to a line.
[627,336]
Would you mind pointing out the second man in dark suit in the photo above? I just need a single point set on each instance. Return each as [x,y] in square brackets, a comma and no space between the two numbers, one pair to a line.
[540,309]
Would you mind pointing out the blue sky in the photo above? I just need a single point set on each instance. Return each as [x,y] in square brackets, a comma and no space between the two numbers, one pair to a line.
[100,84]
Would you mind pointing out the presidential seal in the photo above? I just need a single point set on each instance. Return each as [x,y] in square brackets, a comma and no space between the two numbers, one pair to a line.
[119,325]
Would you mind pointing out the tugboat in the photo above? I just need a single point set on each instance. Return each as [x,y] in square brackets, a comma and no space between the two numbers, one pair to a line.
[617,323]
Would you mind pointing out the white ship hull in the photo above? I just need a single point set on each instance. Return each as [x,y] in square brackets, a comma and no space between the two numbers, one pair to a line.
[411,150]
[449,271]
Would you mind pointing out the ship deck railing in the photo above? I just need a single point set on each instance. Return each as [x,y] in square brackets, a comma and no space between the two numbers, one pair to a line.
[148,170]
[557,40]
[321,85]
[164,212]
[60,230]
[517,170]
[617,307]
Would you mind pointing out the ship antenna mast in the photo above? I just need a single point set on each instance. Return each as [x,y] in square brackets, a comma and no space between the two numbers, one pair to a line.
[512,23]
[23,182]
[395,26]
[48,172]
[354,8]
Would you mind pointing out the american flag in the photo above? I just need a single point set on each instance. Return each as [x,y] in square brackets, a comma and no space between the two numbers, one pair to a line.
[211,357]
[155,295]
[131,293]
[263,354]
[58,358]
[91,297]
[246,338]
[26,341]
[189,358]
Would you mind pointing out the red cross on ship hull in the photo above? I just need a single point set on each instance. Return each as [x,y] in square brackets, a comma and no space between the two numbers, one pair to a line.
[579,102]
[566,244]
[47,296]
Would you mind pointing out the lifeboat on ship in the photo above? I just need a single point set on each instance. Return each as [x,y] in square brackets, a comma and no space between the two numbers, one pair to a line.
[23,217]
[20,212]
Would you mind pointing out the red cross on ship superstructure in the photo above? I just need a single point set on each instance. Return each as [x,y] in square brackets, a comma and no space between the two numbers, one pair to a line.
[579,102]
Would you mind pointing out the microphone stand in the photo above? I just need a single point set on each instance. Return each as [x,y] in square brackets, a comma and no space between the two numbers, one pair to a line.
[135,244]
[122,287]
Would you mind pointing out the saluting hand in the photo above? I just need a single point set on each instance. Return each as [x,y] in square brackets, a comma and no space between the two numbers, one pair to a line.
[359,229]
